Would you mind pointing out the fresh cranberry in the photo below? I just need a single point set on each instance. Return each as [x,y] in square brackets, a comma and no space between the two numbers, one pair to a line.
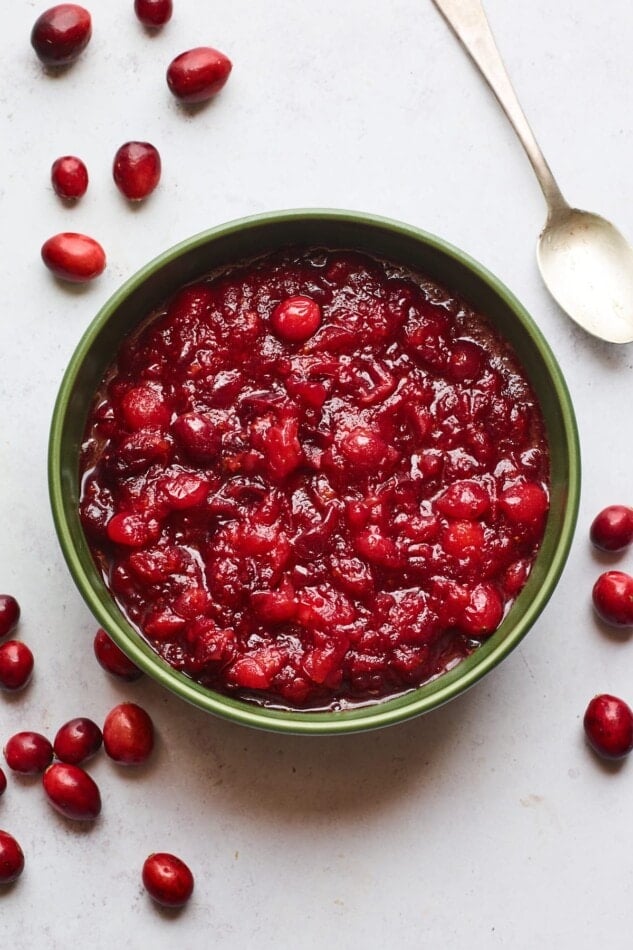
[69,177]
[128,734]
[153,13]
[72,791]
[77,740]
[3,782]
[16,665]
[9,614]
[113,660]
[167,879]
[136,170]
[198,74]
[613,598]
[74,257]
[61,34]
[28,753]
[612,528]
[296,318]
[11,858]
[608,726]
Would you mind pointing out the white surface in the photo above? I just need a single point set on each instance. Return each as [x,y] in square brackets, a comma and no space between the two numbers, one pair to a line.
[486,824]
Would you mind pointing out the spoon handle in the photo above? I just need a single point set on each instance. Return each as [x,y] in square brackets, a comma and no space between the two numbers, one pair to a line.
[468,20]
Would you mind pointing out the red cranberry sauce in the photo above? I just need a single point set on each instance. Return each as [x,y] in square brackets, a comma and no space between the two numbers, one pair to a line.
[315,522]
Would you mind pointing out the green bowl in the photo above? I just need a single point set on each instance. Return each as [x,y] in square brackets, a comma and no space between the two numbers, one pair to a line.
[248,238]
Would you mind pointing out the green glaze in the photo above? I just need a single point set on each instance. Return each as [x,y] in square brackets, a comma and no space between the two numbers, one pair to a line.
[239,240]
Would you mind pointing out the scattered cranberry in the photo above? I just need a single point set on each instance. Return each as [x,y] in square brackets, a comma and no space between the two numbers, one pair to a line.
[77,740]
[153,13]
[76,258]
[69,177]
[613,598]
[113,660]
[28,753]
[608,726]
[167,879]
[72,791]
[61,34]
[612,528]
[11,858]
[128,734]
[3,782]
[296,318]
[198,74]
[136,170]
[16,665]
[9,614]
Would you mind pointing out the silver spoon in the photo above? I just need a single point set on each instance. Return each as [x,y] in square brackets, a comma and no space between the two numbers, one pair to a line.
[585,262]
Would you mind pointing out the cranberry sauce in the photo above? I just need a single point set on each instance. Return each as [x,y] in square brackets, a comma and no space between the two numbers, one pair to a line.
[315,480]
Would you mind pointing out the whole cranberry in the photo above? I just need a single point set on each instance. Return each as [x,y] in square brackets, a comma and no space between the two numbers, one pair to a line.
[612,528]
[128,734]
[11,858]
[136,170]
[16,665]
[153,13]
[9,614]
[72,791]
[198,74]
[296,318]
[28,753]
[613,598]
[61,34]
[608,723]
[77,740]
[167,879]
[74,257]
[69,177]
[113,660]
[3,782]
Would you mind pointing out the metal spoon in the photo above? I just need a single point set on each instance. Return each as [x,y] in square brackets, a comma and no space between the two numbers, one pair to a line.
[585,262]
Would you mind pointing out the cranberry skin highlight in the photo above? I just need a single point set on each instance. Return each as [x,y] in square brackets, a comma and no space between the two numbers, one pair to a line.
[74,257]
[153,13]
[608,724]
[28,753]
[9,614]
[69,178]
[136,170]
[613,598]
[167,879]
[11,858]
[72,792]
[61,34]
[128,734]
[612,528]
[113,660]
[77,740]
[198,74]
[16,665]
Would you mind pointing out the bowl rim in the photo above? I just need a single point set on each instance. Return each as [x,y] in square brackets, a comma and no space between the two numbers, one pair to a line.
[360,718]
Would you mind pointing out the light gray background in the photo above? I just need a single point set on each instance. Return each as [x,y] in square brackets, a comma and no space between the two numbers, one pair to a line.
[488,823]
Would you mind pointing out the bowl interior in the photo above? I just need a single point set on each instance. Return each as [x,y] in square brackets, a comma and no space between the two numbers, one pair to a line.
[248,238]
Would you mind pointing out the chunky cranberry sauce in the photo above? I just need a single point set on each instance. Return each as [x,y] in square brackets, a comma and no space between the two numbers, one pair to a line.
[315,480]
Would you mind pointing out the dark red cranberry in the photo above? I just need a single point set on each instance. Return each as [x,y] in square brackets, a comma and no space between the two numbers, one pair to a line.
[16,665]
[136,170]
[74,257]
[613,598]
[612,528]
[77,740]
[167,879]
[9,614]
[69,177]
[153,13]
[11,858]
[198,74]
[72,791]
[3,782]
[28,753]
[113,660]
[608,726]
[61,34]
[128,734]
[296,318]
